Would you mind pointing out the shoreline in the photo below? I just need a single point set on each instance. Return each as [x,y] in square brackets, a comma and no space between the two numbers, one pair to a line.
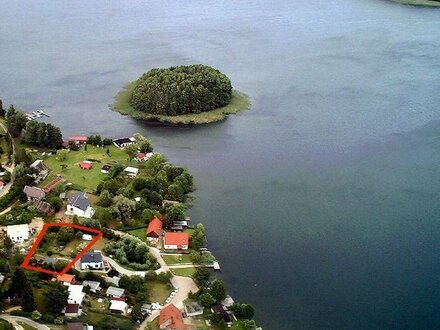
[239,103]
[418,3]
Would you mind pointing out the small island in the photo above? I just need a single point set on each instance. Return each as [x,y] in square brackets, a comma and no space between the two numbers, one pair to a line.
[426,3]
[194,94]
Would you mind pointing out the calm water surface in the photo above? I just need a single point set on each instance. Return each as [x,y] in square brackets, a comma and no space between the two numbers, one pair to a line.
[321,202]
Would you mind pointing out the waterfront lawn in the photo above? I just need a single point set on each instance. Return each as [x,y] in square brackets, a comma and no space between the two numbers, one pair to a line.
[158,291]
[139,233]
[26,326]
[84,179]
[177,259]
[188,272]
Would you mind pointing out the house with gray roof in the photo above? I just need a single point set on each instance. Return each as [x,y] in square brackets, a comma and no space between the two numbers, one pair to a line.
[78,204]
[92,260]
[114,292]
[34,194]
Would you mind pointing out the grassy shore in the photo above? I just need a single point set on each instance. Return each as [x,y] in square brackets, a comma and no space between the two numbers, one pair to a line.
[426,3]
[239,103]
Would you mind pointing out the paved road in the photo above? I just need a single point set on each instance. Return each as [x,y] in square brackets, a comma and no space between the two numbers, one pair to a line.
[14,319]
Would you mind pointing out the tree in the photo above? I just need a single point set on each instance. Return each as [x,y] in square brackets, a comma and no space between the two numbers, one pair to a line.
[56,202]
[105,199]
[136,313]
[180,90]
[28,298]
[198,237]
[7,243]
[19,281]
[131,151]
[65,235]
[206,300]
[15,121]
[104,215]
[11,111]
[35,315]
[56,298]
[201,276]
[243,311]
[218,290]
[54,137]
[123,207]
[2,110]
[174,213]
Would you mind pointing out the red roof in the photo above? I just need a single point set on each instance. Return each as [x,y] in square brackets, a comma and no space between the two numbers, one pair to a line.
[172,317]
[1,183]
[154,228]
[176,239]
[72,308]
[86,165]
[140,155]
[66,278]
[78,138]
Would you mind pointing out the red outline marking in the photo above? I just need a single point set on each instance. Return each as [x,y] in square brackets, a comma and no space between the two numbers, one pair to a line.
[25,263]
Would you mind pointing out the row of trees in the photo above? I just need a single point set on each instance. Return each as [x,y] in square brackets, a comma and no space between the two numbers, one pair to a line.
[181,90]
[43,135]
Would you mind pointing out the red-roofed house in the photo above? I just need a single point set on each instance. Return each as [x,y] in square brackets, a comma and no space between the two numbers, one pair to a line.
[154,228]
[2,184]
[78,139]
[171,318]
[85,165]
[176,241]
[66,278]
[72,310]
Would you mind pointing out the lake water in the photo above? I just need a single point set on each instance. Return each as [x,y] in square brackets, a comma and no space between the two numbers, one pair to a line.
[322,201]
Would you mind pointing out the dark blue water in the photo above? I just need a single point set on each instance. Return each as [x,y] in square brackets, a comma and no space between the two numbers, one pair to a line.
[321,202]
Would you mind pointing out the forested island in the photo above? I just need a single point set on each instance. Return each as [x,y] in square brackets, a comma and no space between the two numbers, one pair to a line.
[194,94]
[427,3]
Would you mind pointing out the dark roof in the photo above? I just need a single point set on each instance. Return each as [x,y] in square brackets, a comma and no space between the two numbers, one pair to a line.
[34,192]
[74,326]
[92,257]
[79,200]
[219,310]
[123,140]
[73,308]
[106,167]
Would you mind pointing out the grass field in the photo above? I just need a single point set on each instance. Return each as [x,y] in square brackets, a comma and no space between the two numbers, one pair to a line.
[239,102]
[140,233]
[177,259]
[26,326]
[188,272]
[100,245]
[84,179]
[158,291]
[4,146]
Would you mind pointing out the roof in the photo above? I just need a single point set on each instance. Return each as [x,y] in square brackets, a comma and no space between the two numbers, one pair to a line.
[18,230]
[91,257]
[94,285]
[118,305]
[73,308]
[140,155]
[155,226]
[193,307]
[66,278]
[114,280]
[78,138]
[50,261]
[106,167]
[75,294]
[86,165]
[174,315]
[176,238]
[124,140]
[38,164]
[34,192]
[130,169]
[112,291]
[79,200]
[220,310]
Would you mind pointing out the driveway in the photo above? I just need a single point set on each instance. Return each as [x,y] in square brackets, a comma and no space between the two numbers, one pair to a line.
[14,319]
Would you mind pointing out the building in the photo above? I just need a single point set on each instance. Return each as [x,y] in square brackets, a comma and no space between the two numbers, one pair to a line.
[86,237]
[18,233]
[78,204]
[124,142]
[73,310]
[34,194]
[93,285]
[2,184]
[193,308]
[78,326]
[131,171]
[114,292]
[113,280]
[42,170]
[154,229]
[223,314]
[176,241]
[92,260]
[66,278]
[106,168]
[171,318]
[86,165]
[118,306]
[76,295]
[142,156]
[79,140]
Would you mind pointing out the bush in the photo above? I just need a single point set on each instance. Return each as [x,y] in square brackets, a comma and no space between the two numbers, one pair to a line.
[181,90]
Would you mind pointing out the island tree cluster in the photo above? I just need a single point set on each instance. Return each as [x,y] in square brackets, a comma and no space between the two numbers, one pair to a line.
[181,90]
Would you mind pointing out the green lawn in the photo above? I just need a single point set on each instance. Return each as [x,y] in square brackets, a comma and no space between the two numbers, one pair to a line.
[99,306]
[158,291]
[177,259]
[107,320]
[84,179]
[188,272]
[140,233]
[4,146]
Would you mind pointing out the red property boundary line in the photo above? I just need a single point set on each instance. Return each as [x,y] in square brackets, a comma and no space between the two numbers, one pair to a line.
[28,257]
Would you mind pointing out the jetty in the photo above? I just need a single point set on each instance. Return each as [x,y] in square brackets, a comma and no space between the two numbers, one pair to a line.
[36,114]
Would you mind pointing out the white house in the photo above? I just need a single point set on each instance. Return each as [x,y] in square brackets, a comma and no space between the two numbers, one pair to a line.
[87,237]
[131,171]
[118,306]
[114,292]
[18,233]
[78,204]
[76,295]
[124,142]
[176,241]
[92,260]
